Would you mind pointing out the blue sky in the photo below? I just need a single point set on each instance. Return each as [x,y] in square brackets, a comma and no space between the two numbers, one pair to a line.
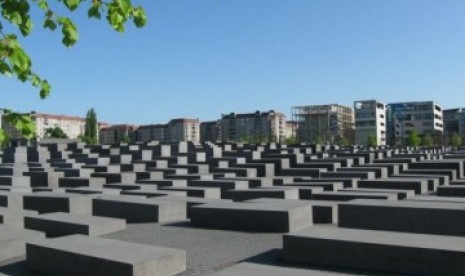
[202,58]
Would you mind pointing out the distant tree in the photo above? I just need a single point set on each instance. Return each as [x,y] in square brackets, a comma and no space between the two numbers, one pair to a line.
[318,140]
[371,141]
[343,141]
[90,128]
[125,139]
[413,139]
[455,140]
[427,140]
[291,141]
[56,132]
[463,140]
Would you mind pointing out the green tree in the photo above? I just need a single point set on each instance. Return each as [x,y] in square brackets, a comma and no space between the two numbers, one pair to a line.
[427,140]
[318,140]
[291,141]
[125,139]
[413,139]
[16,16]
[371,141]
[56,132]
[455,140]
[343,141]
[91,128]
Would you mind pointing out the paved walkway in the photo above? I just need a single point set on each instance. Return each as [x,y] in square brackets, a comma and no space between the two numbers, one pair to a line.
[207,250]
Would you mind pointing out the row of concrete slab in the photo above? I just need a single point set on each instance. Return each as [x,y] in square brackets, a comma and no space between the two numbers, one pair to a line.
[388,210]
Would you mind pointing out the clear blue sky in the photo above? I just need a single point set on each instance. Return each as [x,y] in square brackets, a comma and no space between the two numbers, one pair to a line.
[202,58]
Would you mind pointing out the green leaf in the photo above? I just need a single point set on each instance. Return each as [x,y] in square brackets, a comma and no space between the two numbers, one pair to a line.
[43,4]
[21,63]
[69,30]
[50,24]
[26,26]
[5,69]
[44,89]
[72,4]
[140,18]
[94,11]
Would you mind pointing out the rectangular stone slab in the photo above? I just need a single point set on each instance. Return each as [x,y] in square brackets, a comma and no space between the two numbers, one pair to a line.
[14,217]
[64,224]
[49,202]
[13,241]
[257,217]
[418,185]
[136,209]
[255,269]
[439,218]
[388,252]
[81,255]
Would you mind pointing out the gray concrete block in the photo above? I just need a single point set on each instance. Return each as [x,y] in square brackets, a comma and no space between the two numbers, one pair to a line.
[404,216]
[381,251]
[256,217]
[14,217]
[64,224]
[13,241]
[80,255]
[49,202]
[136,209]
[420,186]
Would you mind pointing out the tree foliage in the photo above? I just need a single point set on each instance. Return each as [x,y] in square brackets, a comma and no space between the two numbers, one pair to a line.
[455,140]
[91,128]
[318,140]
[56,132]
[14,61]
[413,139]
[427,140]
[371,141]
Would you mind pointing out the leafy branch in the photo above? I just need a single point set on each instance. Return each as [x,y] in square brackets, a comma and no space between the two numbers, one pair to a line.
[14,61]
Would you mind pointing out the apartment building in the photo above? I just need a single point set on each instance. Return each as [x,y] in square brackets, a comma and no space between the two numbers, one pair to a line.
[183,129]
[424,117]
[253,127]
[73,126]
[291,130]
[327,123]
[210,131]
[155,132]
[370,120]
[117,133]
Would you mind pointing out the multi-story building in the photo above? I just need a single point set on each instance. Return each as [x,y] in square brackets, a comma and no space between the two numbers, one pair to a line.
[176,130]
[155,132]
[117,133]
[291,130]
[370,120]
[327,123]
[454,122]
[253,127]
[210,131]
[423,117]
[73,126]
[183,130]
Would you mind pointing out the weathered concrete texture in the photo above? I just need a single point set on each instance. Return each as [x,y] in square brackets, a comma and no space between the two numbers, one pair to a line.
[13,241]
[257,217]
[383,251]
[63,224]
[136,209]
[254,269]
[50,202]
[81,255]
[404,216]
[14,217]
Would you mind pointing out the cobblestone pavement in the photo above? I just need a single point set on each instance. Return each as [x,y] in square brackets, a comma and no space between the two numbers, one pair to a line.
[207,250]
